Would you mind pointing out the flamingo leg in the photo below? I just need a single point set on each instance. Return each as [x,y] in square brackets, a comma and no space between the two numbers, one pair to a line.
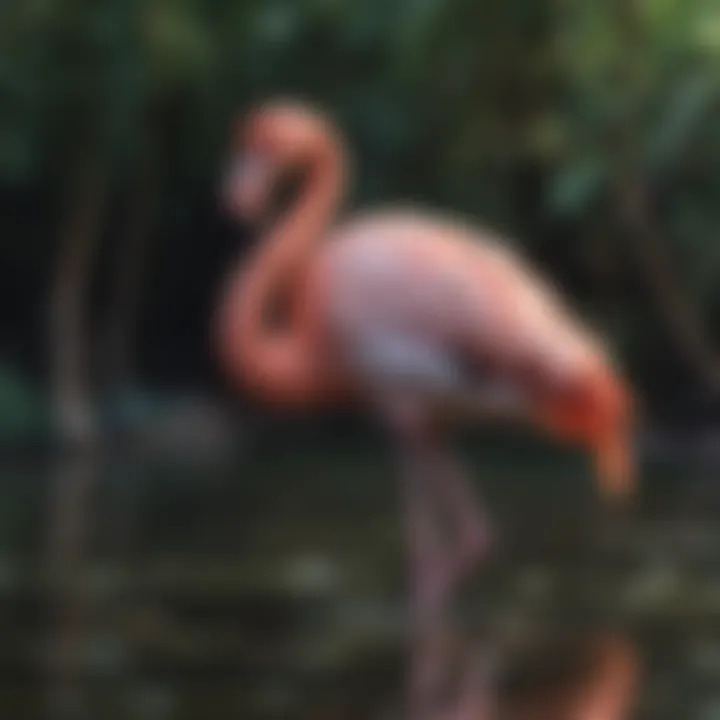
[433,486]
[427,562]
[451,677]
[466,519]
[425,544]
[466,513]
[430,676]
[476,697]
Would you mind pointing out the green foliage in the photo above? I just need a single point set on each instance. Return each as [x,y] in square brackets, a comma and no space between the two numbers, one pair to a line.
[639,90]
[577,185]
[21,412]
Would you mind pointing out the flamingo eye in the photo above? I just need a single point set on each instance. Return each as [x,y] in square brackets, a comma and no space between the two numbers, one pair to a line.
[247,182]
[253,167]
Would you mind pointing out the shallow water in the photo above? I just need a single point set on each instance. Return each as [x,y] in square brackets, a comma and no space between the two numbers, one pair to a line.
[273,589]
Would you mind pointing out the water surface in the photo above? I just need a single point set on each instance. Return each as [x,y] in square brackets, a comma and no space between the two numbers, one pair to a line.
[274,588]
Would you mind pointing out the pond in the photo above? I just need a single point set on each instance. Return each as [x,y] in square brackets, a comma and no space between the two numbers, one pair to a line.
[274,588]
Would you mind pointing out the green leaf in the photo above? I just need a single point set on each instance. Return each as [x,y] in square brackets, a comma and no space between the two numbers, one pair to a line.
[575,187]
[687,106]
[20,410]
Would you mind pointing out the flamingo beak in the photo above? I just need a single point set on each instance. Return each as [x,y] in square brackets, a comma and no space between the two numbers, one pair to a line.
[246,186]
[614,467]
[602,422]
[613,440]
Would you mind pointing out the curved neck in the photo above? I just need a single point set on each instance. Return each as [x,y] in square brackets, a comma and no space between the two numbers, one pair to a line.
[278,362]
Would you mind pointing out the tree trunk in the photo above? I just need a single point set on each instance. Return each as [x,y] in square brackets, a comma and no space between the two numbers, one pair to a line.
[680,317]
[69,513]
[119,356]
[71,389]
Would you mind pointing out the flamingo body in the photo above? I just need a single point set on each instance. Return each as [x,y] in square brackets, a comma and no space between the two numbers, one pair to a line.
[420,304]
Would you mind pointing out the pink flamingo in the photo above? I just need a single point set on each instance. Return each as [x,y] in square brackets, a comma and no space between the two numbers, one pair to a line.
[420,316]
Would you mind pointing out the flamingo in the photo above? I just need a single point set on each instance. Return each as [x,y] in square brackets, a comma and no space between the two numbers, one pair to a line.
[425,319]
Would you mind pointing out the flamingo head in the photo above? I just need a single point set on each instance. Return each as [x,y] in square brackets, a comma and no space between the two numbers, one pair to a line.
[275,140]
[596,410]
